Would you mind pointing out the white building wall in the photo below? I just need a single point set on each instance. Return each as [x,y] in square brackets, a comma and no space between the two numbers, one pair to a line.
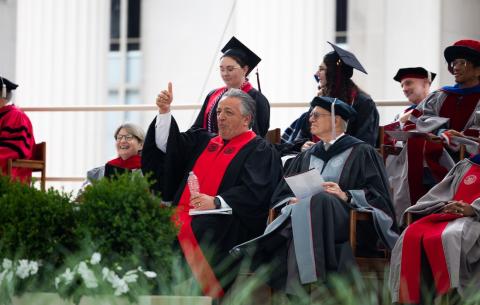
[8,33]
[60,53]
[61,60]
[183,45]
[388,35]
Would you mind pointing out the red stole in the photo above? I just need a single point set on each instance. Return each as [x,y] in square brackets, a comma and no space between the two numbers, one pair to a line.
[216,96]
[133,162]
[428,232]
[459,108]
[209,168]
[418,149]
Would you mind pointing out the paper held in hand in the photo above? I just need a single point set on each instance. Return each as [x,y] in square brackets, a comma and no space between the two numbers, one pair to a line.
[223,211]
[306,184]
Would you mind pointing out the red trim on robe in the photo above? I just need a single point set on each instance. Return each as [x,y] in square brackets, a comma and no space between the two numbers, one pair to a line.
[134,162]
[246,87]
[428,232]
[220,155]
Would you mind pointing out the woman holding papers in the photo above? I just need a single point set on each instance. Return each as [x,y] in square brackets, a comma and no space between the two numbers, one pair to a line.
[318,223]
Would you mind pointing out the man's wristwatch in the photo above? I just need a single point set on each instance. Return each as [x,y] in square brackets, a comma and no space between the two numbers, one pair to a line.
[349,196]
[217,202]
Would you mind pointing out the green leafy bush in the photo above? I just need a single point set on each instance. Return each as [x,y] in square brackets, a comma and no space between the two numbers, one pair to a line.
[35,224]
[127,224]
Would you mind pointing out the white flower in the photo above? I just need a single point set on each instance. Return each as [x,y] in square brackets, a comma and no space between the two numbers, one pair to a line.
[23,269]
[150,274]
[96,257]
[68,275]
[6,264]
[33,266]
[87,275]
[120,287]
[57,281]
[105,273]
[130,277]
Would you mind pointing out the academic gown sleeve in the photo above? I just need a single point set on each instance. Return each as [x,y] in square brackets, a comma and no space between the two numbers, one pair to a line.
[153,159]
[364,125]
[16,136]
[366,173]
[262,117]
[169,168]
[250,195]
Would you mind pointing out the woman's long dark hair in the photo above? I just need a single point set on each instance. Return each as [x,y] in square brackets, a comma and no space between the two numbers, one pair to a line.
[339,83]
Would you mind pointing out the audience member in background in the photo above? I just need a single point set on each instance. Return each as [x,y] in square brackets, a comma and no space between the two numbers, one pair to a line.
[235,65]
[415,83]
[16,133]
[445,117]
[334,80]
[310,238]
[129,140]
[440,252]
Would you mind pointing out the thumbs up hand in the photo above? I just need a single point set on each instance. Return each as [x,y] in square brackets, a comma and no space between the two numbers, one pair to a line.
[164,99]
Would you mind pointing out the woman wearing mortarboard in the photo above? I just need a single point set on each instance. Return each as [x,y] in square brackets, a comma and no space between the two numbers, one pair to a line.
[235,65]
[16,133]
[334,80]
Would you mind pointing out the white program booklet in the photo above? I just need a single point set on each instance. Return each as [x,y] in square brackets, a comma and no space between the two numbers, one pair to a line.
[306,184]
[223,211]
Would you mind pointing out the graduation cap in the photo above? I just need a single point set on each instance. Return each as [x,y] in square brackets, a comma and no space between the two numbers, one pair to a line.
[467,49]
[336,107]
[7,86]
[414,72]
[348,58]
[237,49]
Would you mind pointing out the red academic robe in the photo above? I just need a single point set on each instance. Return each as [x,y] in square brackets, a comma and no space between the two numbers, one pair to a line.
[16,139]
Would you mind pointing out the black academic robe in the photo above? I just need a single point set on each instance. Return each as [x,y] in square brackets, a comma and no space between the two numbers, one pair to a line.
[326,220]
[363,126]
[262,115]
[247,187]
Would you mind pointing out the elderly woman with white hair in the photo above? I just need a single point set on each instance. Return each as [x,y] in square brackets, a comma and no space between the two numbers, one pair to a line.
[129,140]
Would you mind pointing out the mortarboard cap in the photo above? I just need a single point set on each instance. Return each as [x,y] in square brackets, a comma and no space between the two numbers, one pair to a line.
[237,49]
[468,49]
[348,58]
[341,108]
[414,72]
[6,86]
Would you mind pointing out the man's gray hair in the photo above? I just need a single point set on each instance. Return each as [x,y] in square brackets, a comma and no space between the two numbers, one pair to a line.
[248,105]
[132,129]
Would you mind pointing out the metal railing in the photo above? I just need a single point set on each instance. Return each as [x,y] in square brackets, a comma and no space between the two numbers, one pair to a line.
[107,108]
[104,108]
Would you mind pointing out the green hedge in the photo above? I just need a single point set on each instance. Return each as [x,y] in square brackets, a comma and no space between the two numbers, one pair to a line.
[126,223]
[118,218]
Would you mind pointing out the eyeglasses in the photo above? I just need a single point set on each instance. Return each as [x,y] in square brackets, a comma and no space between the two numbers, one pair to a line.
[127,137]
[459,62]
[315,115]
[229,69]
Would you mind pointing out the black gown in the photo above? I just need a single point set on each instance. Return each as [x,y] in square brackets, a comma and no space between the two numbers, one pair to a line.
[262,116]
[357,168]
[247,187]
